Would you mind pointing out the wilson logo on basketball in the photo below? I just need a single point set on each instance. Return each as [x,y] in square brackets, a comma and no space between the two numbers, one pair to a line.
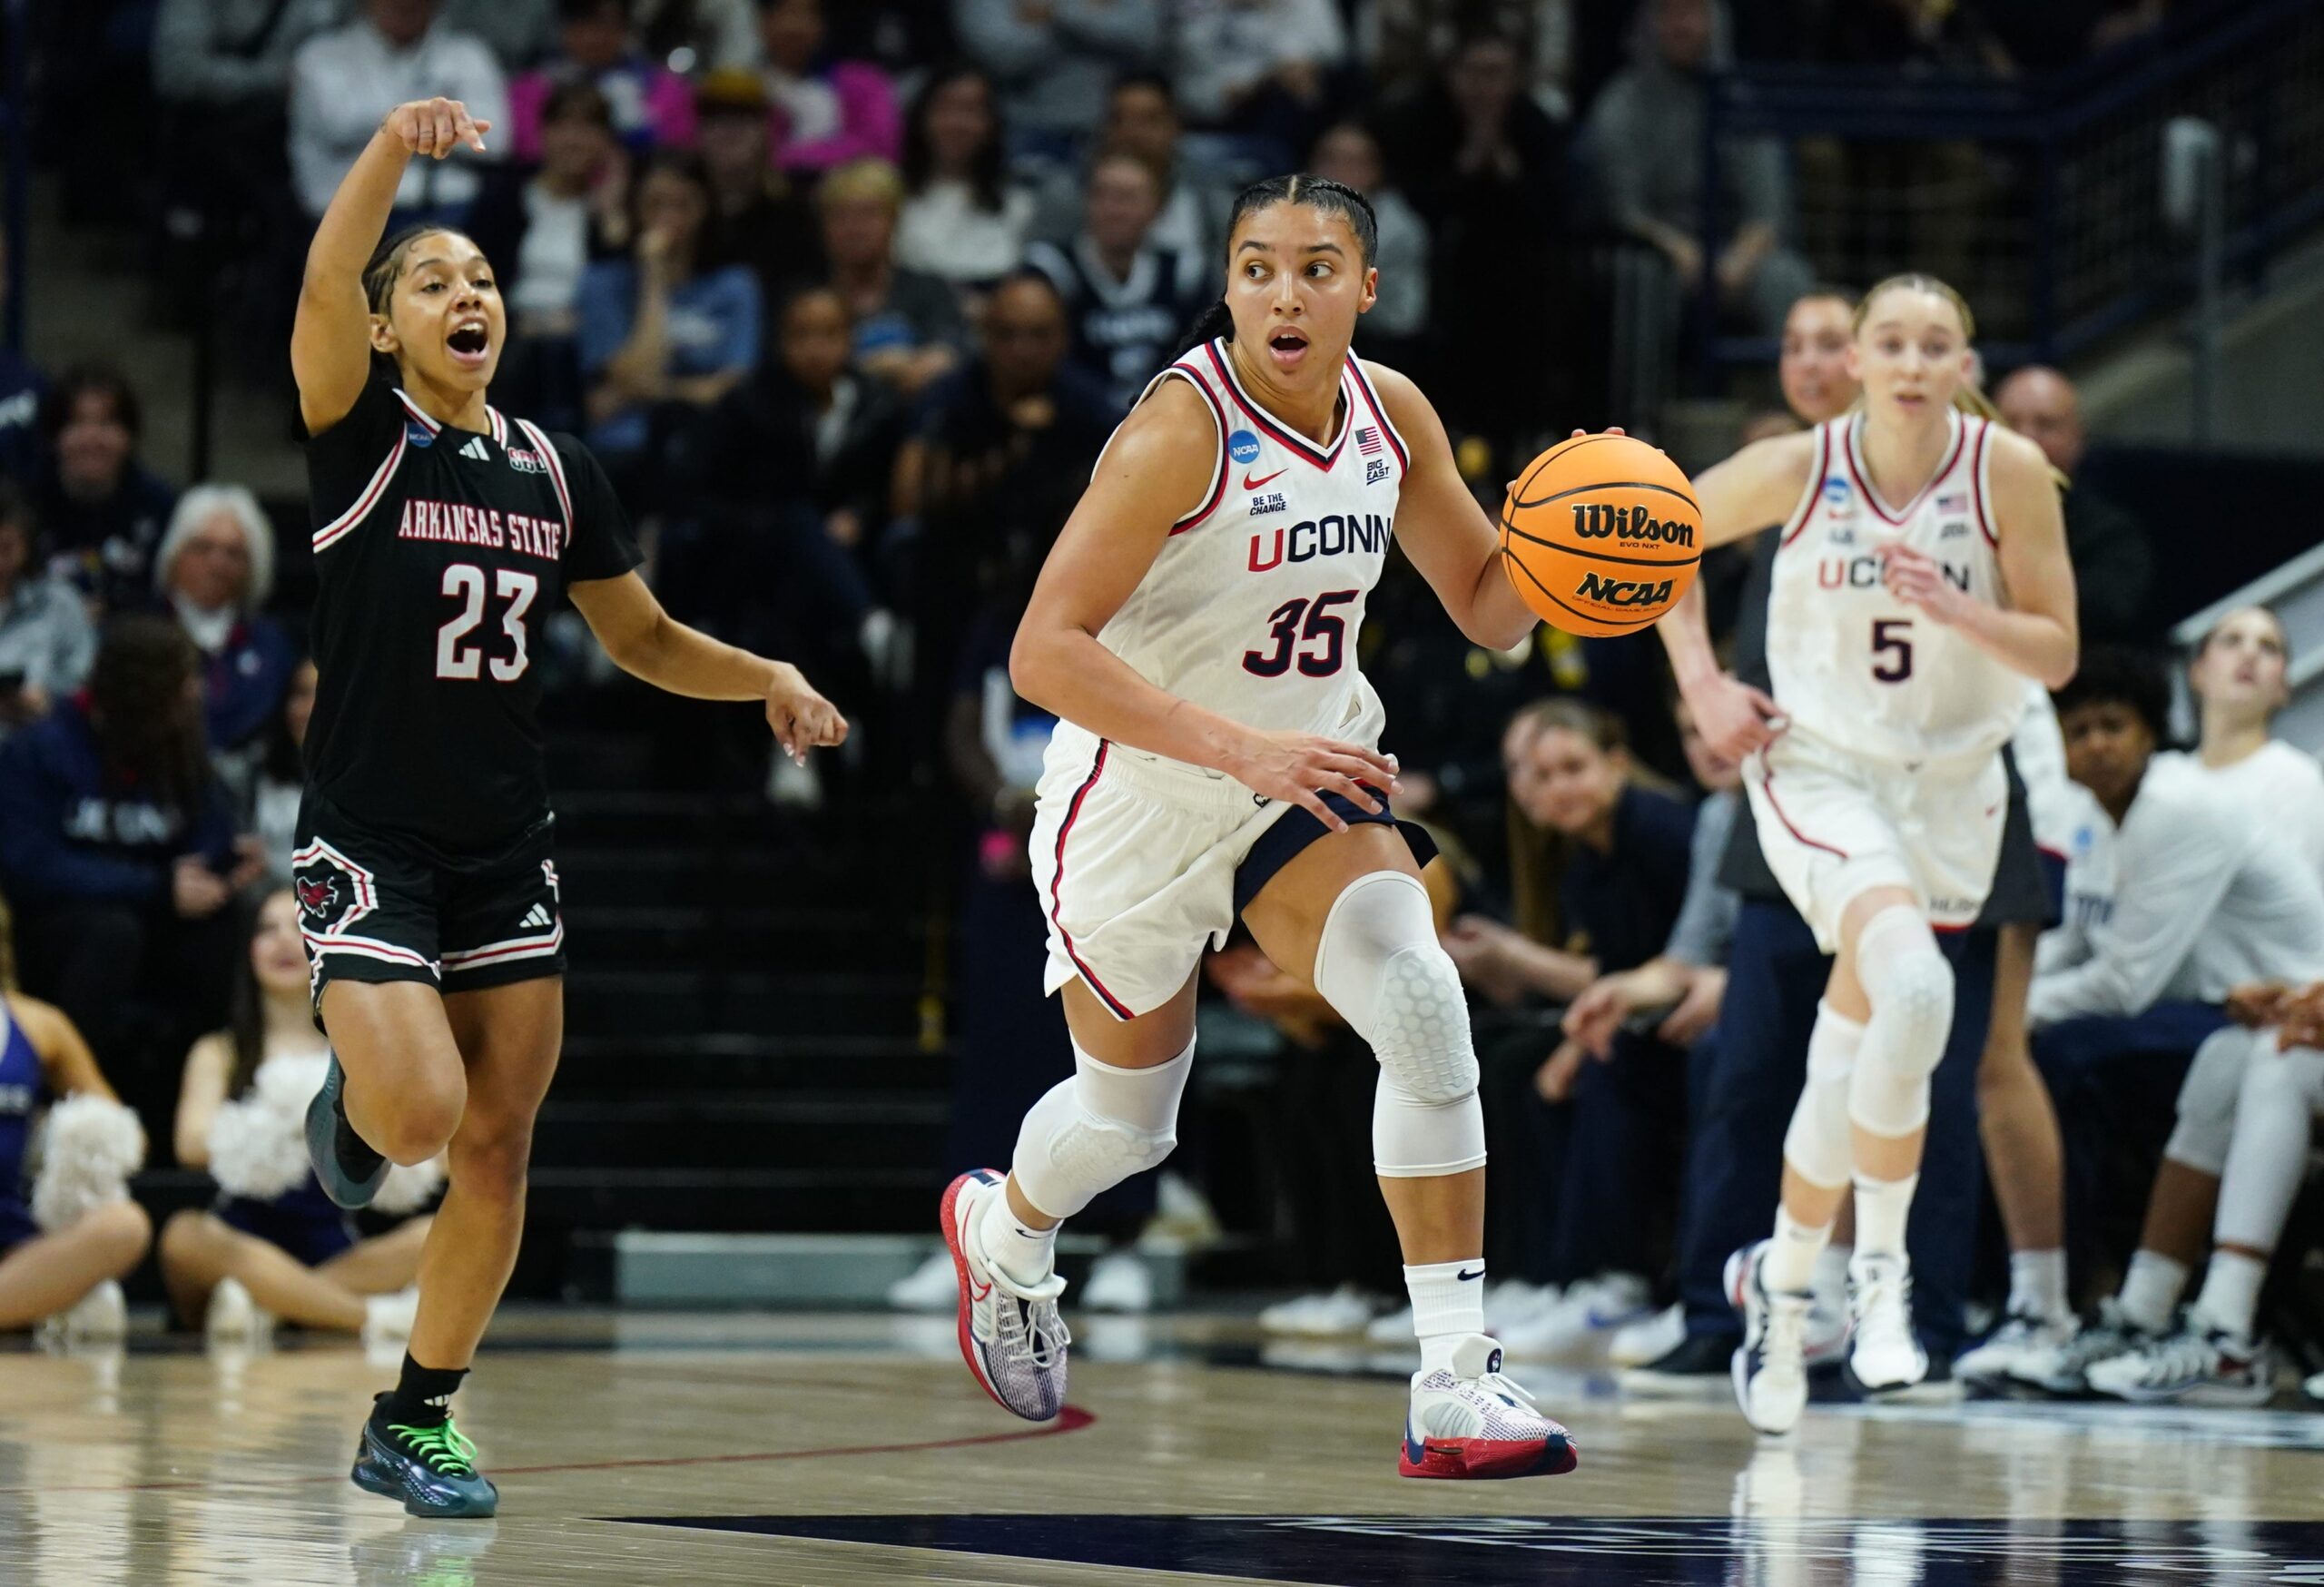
[1597,521]
[1623,592]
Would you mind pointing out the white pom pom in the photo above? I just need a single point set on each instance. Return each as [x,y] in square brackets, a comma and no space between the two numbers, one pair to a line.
[408,1189]
[89,1147]
[258,1144]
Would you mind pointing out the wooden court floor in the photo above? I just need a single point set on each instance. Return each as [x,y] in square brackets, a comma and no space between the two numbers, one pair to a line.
[720,1449]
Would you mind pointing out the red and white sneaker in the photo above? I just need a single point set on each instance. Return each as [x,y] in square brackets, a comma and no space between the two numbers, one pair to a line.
[1469,1421]
[1011,1334]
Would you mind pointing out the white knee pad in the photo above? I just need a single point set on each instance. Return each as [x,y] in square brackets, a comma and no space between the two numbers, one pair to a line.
[1091,1132]
[1817,1145]
[2207,1099]
[1910,987]
[2275,1117]
[1379,965]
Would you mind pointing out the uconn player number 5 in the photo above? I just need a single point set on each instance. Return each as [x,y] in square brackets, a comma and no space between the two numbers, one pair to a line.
[456,659]
[1285,628]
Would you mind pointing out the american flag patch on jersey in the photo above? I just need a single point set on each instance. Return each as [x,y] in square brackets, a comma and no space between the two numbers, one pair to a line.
[1367,440]
[1952,501]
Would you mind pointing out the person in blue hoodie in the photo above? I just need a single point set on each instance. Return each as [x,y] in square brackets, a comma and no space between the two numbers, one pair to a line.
[118,853]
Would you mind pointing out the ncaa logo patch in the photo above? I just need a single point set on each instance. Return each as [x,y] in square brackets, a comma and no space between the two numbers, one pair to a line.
[1836,491]
[418,434]
[334,891]
[1243,447]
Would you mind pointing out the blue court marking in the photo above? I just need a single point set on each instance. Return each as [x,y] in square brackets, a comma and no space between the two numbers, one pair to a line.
[1355,1550]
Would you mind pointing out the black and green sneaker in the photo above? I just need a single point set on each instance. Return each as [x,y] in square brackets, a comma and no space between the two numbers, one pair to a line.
[431,1469]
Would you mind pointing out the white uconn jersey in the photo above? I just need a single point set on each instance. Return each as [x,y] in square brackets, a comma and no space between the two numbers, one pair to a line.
[1253,608]
[1850,663]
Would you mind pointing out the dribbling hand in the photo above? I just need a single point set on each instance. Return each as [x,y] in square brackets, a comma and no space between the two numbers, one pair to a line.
[1300,768]
[801,718]
[435,127]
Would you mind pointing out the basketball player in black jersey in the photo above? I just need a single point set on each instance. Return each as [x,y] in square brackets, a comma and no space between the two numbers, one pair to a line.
[444,533]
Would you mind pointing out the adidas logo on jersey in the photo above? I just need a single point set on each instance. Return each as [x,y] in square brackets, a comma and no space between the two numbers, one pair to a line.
[476,449]
[536,918]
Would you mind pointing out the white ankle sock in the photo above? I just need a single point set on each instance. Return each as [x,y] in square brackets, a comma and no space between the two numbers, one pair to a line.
[1791,1255]
[1447,1307]
[2230,1296]
[1881,1209]
[1027,1255]
[2037,1285]
[2151,1290]
[1831,1282]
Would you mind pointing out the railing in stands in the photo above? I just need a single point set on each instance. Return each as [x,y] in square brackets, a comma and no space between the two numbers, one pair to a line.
[2039,197]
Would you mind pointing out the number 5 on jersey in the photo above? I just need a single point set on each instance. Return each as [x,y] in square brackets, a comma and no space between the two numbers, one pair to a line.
[459,658]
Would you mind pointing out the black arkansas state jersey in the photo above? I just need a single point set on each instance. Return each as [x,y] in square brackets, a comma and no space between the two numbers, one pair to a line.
[440,553]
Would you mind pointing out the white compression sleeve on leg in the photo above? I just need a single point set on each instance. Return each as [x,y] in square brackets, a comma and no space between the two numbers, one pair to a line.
[1817,1145]
[2268,1157]
[1091,1132]
[2206,1097]
[1910,988]
[1379,965]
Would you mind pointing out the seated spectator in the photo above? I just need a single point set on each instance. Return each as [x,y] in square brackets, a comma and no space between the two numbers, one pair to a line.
[793,471]
[908,326]
[962,221]
[719,35]
[344,83]
[213,572]
[1258,64]
[103,510]
[1487,171]
[998,459]
[518,32]
[117,849]
[229,61]
[265,1248]
[2113,561]
[1624,882]
[66,1275]
[1053,63]
[757,217]
[541,229]
[661,337]
[1403,40]
[651,106]
[1129,302]
[270,784]
[2238,678]
[1142,120]
[46,641]
[1645,138]
[1391,331]
[826,112]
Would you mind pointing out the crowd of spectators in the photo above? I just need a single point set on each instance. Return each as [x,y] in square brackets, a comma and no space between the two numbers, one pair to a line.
[847,297]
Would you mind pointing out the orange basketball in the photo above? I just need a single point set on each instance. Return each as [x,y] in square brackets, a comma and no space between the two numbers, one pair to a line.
[1601,535]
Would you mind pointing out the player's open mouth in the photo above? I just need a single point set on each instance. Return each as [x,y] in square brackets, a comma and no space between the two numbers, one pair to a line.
[1287,346]
[469,343]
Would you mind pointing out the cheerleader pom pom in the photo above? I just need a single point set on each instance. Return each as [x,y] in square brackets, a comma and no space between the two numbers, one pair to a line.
[255,1152]
[89,1147]
[406,1190]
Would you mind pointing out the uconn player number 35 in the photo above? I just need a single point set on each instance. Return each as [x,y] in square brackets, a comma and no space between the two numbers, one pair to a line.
[1321,625]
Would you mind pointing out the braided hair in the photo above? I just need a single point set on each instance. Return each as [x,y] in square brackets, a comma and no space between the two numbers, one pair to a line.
[1318,192]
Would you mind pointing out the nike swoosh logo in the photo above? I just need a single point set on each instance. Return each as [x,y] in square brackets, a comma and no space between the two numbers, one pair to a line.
[1250,484]
[1465,1278]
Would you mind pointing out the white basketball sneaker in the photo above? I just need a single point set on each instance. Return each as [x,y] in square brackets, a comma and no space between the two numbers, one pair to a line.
[2023,1339]
[1649,1339]
[387,1319]
[1886,1356]
[1011,1334]
[233,1314]
[1769,1369]
[929,1287]
[1469,1421]
[100,1316]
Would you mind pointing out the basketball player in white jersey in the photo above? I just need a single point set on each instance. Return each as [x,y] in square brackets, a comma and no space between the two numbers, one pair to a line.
[1922,578]
[1195,631]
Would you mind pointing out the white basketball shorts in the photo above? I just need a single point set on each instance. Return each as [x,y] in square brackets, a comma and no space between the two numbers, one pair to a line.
[1135,856]
[1835,825]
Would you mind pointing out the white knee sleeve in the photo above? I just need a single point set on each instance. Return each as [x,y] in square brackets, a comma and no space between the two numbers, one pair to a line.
[1817,1145]
[1091,1132]
[1379,965]
[1910,987]
[2268,1157]
[2207,1099]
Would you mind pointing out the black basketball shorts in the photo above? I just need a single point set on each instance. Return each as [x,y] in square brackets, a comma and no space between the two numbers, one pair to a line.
[374,907]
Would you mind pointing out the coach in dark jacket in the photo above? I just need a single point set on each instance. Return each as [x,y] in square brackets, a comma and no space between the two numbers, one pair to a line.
[118,853]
